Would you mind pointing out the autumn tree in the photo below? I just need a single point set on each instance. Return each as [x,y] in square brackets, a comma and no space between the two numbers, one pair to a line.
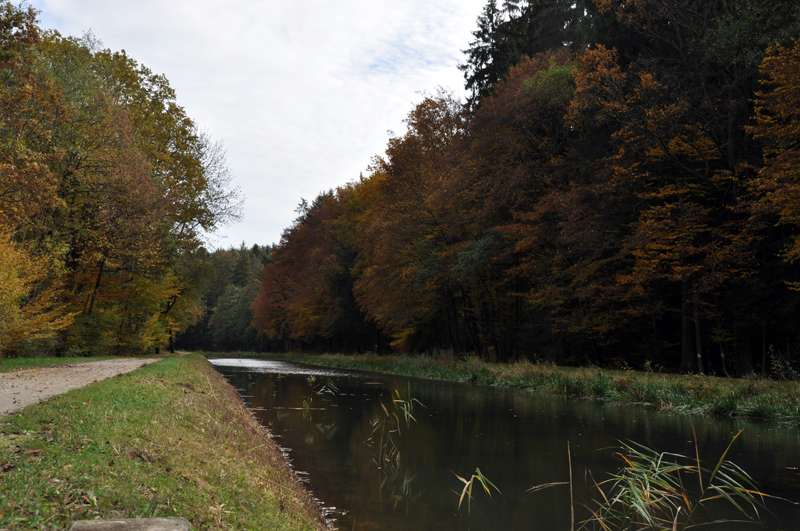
[775,206]
[306,297]
[673,151]
[643,188]
[30,107]
[777,117]
[715,50]
[517,152]
[104,178]
[402,269]
[110,216]
[30,306]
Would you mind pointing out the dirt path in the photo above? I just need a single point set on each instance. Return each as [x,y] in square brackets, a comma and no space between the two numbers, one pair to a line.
[28,386]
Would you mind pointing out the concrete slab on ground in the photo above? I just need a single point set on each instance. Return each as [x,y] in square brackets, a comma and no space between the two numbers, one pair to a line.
[135,524]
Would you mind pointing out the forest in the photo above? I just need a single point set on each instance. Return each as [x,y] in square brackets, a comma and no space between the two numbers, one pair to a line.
[107,190]
[620,189]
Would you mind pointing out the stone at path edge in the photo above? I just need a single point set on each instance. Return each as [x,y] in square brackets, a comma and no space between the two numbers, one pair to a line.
[135,524]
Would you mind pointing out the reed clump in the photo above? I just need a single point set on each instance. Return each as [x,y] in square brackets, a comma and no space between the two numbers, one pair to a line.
[654,490]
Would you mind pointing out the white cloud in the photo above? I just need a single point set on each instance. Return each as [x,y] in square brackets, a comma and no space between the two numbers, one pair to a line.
[300,93]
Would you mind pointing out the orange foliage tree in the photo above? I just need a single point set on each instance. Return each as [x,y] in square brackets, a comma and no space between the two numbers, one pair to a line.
[401,267]
[777,125]
[599,204]
[519,154]
[306,297]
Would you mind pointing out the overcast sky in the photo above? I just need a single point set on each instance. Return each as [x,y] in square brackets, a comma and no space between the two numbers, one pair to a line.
[301,94]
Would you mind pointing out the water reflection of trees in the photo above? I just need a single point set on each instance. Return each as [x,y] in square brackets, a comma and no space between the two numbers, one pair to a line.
[517,439]
[373,423]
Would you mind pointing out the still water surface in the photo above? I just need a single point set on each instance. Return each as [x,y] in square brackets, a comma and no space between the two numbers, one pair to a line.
[517,439]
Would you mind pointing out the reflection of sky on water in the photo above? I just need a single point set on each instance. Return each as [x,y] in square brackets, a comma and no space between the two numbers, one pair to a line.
[278,367]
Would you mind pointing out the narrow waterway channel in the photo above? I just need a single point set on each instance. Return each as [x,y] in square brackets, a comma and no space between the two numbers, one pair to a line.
[352,442]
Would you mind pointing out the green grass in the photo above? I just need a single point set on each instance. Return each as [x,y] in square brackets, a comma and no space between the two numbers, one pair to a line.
[753,397]
[170,439]
[13,364]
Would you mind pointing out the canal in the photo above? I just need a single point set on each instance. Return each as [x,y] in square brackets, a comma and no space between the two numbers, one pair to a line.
[384,452]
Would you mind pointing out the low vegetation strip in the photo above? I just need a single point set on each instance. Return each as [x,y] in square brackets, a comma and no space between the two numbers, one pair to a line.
[753,397]
[170,439]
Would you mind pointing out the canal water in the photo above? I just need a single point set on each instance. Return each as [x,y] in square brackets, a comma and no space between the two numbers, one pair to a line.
[350,437]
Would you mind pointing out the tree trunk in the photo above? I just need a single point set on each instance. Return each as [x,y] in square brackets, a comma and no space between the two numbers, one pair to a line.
[764,349]
[688,358]
[96,286]
[723,361]
[655,335]
[698,336]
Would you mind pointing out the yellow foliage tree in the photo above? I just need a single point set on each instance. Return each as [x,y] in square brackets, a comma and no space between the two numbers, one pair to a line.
[29,303]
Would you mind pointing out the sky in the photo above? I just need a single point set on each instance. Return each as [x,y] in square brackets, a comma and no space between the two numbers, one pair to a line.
[301,94]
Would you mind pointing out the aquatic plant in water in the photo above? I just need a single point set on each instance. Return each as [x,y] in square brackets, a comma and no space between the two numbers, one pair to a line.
[651,491]
[466,492]
[319,390]
[386,428]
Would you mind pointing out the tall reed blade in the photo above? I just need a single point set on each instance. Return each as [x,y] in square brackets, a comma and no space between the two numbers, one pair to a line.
[468,484]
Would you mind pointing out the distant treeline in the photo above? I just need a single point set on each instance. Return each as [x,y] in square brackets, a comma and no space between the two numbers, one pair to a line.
[228,293]
[106,190]
[622,188]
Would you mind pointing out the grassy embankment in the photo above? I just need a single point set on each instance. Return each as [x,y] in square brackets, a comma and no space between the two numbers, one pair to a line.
[170,439]
[754,397]
[13,364]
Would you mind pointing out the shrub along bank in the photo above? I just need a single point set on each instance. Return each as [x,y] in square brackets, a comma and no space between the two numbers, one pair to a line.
[170,439]
[753,397]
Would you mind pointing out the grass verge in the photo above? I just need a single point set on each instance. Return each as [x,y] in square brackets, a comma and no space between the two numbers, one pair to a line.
[170,439]
[753,397]
[13,364]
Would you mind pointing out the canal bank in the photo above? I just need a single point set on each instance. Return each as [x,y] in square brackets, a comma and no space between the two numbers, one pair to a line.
[752,398]
[170,439]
